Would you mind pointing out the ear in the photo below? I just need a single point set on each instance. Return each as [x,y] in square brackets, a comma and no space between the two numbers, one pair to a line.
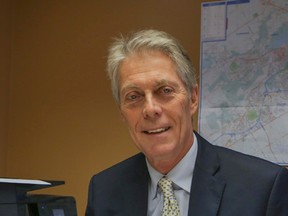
[194,100]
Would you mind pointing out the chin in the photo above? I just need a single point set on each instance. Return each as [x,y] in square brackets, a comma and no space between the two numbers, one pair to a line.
[163,151]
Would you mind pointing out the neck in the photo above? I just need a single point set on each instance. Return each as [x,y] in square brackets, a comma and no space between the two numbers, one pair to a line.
[164,166]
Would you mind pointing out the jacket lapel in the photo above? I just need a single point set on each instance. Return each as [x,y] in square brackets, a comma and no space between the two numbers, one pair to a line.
[207,189]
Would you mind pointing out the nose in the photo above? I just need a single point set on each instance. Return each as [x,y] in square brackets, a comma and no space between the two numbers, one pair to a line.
[151,108]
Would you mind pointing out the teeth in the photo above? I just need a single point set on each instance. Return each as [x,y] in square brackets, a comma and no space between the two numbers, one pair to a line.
[156,130]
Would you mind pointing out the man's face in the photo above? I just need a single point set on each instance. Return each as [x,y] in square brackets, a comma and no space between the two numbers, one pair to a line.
[156,106]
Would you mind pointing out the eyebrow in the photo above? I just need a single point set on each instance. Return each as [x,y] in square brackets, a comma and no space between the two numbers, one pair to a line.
[129,86]
[158,83]
[165,82]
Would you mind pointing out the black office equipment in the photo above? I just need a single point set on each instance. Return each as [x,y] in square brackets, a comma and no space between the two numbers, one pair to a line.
[15,200]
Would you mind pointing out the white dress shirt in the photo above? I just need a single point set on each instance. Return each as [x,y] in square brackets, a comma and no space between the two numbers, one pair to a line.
[181,176]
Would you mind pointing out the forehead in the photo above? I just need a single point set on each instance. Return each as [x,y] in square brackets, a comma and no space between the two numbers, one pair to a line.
[147,66]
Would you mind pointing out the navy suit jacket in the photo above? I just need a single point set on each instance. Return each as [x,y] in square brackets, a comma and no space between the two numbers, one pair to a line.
[225,183]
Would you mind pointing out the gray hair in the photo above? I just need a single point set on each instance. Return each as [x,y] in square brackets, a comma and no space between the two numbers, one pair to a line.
[123,47]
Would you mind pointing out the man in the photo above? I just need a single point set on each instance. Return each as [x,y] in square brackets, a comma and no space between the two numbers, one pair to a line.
[153,82]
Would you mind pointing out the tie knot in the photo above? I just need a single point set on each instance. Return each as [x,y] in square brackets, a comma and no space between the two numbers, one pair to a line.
[166,186]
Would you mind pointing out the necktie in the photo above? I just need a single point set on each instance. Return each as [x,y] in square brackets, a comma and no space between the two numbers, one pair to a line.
[170,206]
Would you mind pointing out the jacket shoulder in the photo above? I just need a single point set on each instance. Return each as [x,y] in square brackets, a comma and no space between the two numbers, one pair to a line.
[231,160]
[124,169]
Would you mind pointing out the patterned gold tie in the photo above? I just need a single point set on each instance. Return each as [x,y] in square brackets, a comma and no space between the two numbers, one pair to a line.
[170,206]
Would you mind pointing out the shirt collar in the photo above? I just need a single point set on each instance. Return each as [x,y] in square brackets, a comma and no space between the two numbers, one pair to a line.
[181,174]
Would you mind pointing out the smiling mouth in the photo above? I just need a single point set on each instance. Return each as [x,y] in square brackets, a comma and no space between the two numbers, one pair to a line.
[157,131]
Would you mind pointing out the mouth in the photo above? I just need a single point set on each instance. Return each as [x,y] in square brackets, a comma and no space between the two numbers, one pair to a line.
[157,131]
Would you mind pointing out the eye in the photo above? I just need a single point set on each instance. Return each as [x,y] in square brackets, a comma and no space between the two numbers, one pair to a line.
[132,96]
[166,90]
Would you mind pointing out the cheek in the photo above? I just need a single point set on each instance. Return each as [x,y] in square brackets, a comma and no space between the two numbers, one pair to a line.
[185,116]
[130,118]
[184,108]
